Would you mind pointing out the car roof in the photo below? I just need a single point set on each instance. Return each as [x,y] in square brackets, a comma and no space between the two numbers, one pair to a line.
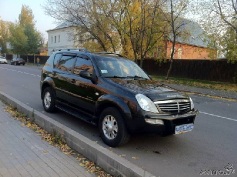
[86,53]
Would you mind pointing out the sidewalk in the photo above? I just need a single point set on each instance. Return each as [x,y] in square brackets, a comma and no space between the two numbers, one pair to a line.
[23,153]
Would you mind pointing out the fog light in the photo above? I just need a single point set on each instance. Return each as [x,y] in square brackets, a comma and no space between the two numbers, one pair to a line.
[155,121]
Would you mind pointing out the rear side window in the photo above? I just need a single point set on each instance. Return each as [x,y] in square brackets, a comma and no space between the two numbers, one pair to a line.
[66,63]
[83,65]
[57,57]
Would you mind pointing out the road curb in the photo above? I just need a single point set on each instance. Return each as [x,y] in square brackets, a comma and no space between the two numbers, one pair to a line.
[109,161]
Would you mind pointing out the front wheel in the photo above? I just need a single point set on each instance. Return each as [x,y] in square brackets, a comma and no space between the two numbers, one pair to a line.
[48,100]
[112,128]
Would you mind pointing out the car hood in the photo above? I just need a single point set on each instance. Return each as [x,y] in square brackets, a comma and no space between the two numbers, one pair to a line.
[152,89]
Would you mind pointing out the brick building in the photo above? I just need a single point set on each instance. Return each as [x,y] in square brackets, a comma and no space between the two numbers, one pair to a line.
[191,43]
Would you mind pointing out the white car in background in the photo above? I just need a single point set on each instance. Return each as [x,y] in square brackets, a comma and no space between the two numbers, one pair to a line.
[3,60]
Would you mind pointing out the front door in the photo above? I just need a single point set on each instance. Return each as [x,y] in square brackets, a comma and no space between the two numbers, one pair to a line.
[83,89]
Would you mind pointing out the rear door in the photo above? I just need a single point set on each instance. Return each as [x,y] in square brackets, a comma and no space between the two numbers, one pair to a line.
[63,67]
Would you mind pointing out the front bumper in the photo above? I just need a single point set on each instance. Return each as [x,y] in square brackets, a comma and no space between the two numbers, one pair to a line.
[162,123]
[170,117]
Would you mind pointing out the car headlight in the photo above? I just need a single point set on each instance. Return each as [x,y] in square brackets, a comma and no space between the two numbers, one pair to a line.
[146,104]
[191,102]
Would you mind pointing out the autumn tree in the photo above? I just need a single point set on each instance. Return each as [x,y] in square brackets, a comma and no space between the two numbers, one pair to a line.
[143,27]
[25,39]
[218,18]
[84,15]
[101,25]
[227,12]
[132,27]
[173,14]
[4,35]
[229,42]
[18,39]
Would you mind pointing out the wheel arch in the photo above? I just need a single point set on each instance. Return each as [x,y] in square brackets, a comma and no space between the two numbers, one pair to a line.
[112,101]
[48,82]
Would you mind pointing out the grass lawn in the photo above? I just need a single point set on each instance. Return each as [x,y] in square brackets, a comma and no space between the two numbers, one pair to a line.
[198,83]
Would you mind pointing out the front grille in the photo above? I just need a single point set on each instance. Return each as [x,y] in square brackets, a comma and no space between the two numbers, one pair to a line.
[173,106]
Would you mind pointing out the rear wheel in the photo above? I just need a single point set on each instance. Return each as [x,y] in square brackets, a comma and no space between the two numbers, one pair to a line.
[48,100]
[112,128]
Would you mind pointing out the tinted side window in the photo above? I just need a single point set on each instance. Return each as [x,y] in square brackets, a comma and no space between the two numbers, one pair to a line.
[83,65]
[66,63]
[57,57]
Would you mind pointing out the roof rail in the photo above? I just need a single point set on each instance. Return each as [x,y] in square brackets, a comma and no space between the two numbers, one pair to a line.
[109,53]
[78,49]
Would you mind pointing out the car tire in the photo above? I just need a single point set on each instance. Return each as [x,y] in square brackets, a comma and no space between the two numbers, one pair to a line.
[113,130]
[48,100]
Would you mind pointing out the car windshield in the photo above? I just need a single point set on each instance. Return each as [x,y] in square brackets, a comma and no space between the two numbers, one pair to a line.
[119,68]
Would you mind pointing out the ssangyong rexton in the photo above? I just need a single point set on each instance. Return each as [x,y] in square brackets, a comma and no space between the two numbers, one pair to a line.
[114,93]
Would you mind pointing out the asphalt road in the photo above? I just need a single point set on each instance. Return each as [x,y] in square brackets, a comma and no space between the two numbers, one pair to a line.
[210,149]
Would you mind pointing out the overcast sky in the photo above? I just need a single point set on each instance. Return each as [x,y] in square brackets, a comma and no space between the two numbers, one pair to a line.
[10,10]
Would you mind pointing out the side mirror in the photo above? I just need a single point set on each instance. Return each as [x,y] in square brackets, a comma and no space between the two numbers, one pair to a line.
[85,74]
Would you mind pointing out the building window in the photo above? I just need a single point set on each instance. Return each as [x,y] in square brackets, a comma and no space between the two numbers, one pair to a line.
[58,38]
[55,39]
[51,39]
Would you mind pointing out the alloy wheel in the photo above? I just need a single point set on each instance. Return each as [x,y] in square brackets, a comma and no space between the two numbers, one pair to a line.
[110,127]
[47,100]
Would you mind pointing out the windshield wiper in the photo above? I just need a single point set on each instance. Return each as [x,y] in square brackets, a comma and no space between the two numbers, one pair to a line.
[132,77]
[114,77]
[137,77]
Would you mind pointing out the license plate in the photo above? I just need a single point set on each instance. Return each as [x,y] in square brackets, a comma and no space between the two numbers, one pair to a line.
[183,128]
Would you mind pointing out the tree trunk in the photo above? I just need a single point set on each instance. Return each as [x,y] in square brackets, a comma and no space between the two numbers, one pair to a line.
[170,69]
[141,62]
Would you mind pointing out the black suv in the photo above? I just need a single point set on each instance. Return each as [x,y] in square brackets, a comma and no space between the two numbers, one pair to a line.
[114,93]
